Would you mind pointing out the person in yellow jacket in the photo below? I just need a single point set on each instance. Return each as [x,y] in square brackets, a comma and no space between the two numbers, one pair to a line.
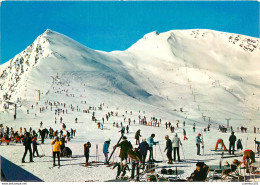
[56,150]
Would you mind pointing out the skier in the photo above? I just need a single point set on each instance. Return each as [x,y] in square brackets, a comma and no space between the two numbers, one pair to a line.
[42,133]
[56,150]
[198,141]
[176,142]
[169,149]
[62,140]
[239,144]
[248,158]
[151,143]
[105,150]
[87,146]
[41,124]
[200,174]
[76,120]
[135,158]
[27,141]
[142,149]
[68,136]
[34,143]
[125,146]
[137,136]
[232,140]
[121,167]
[127,128]
[184,134]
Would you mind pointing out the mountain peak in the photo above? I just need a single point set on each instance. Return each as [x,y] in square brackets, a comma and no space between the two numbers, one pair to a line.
[48,31]
[151,35]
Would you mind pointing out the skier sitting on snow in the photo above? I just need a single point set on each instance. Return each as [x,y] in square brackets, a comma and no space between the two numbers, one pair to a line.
[200,174]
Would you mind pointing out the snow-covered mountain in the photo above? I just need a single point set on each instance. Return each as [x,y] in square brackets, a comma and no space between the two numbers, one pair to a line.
[193,76]
[205,72]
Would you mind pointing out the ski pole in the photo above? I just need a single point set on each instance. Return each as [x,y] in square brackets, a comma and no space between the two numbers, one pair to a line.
[161,151]
[42,150]
[182,152]
[96,151]
[155,151]
[115,148]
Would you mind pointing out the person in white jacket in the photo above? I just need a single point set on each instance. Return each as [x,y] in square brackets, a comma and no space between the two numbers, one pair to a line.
[176,142]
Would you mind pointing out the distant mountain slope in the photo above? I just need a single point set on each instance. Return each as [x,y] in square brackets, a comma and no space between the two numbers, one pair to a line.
[201,71]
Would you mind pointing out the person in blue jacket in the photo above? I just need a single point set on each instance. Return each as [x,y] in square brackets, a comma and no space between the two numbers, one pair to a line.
[151,143]
[105,150]
[198,141]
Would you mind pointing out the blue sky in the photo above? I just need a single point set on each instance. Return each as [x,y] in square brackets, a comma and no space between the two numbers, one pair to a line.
[117,25]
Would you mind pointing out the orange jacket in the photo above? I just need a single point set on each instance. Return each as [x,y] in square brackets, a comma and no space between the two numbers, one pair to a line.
[56,147]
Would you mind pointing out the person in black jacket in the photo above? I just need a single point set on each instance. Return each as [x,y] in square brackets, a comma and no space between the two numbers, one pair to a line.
[200,174]
[42,133]
[86,151]
[232,140]
[168,148]
[125,147]
[35,150]
[27,141]
[62,146]
[137,136]
[142,149]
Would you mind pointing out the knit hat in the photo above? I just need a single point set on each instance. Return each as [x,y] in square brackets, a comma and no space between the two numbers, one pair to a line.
[124,137]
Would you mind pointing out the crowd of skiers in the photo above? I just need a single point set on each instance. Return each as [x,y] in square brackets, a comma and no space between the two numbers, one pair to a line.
[137,155]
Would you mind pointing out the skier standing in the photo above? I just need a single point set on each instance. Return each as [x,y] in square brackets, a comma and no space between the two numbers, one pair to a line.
[87,146]
[198,141]
[62,140]
[137,136]
[142,149]
[232,140]
[34,143]
[105,150]
[127,128]
[168,148]
[56,150]
[151,143]
[184,134]
[27,141]
[176,142]
[125,146]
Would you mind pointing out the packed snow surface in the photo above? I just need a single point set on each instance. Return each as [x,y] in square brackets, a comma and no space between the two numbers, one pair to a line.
[196,76]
